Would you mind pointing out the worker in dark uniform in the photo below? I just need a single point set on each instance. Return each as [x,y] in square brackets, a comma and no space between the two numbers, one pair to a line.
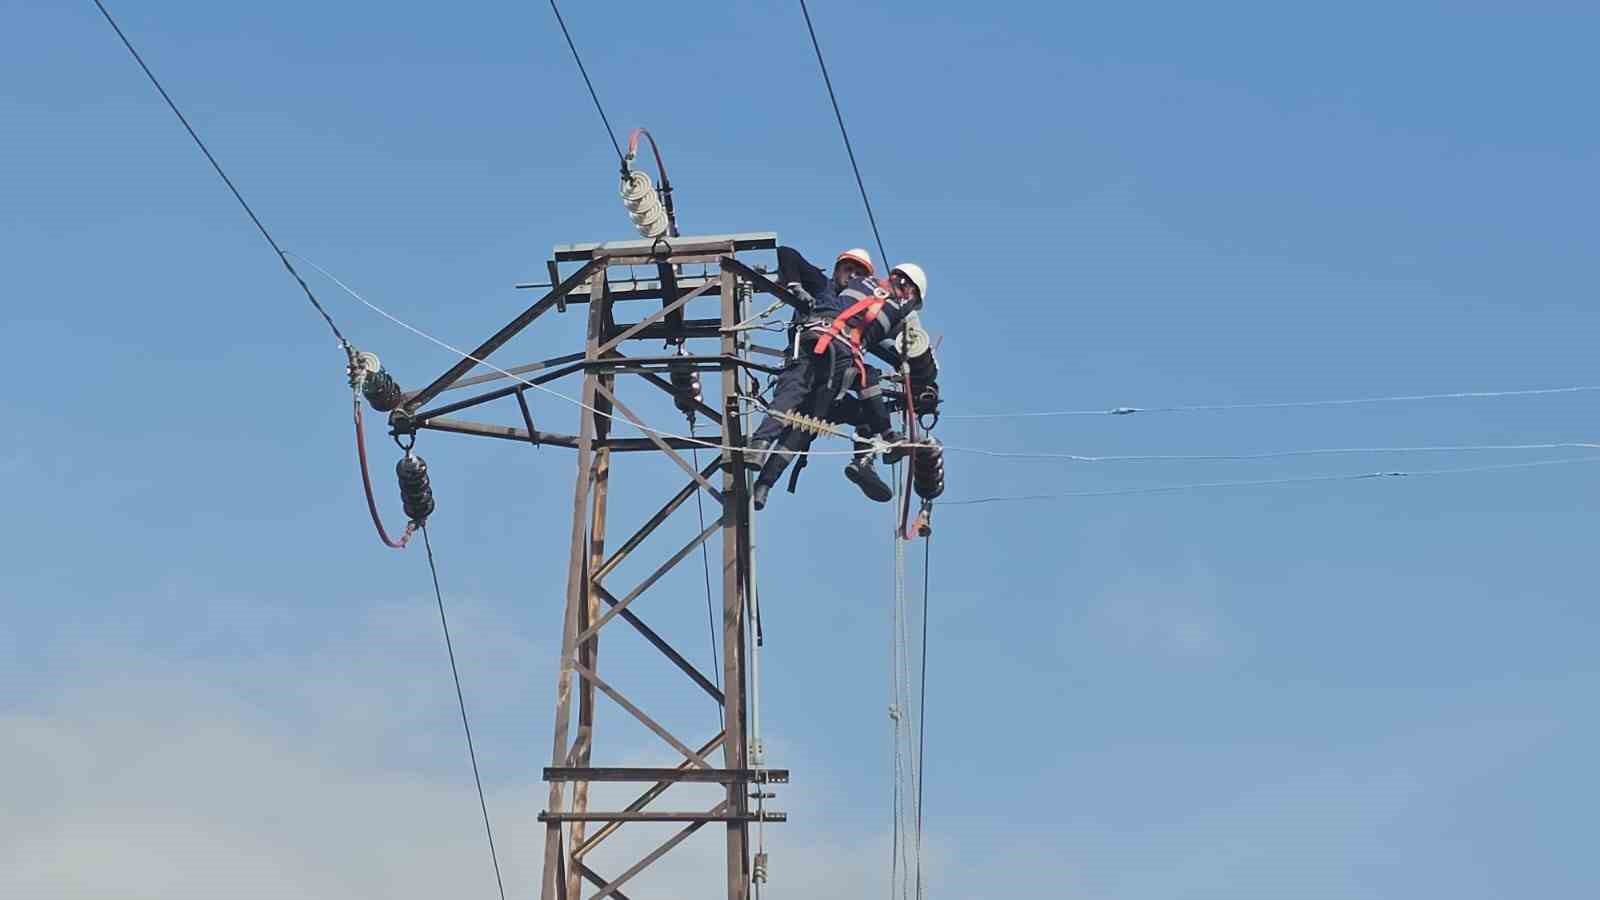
[828,362]
[912,350]
[823,290]
[821,294]
[868,412]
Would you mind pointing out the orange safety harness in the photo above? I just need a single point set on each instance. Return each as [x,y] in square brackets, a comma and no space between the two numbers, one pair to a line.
[867,308]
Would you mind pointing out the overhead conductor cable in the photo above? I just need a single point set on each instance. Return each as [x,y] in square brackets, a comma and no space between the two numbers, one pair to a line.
[282,257]
[1290,404]
[1269,482]
[539,387]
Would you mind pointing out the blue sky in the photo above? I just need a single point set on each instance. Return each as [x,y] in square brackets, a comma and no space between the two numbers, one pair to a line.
[217,677]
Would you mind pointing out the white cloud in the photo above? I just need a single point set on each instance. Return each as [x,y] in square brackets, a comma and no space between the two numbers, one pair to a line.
[146,778]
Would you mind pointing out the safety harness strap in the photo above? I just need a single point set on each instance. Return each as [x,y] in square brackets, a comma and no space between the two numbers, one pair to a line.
[868,306]
[870,309]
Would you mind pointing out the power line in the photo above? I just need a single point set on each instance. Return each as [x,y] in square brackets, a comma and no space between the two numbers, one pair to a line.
[1293,404]
[1276,454]
[472,753]
[282,257]
[833,98]
[610,134]
[713,445]
[1360,476]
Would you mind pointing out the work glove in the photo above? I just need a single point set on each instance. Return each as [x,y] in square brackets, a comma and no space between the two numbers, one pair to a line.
[807,302]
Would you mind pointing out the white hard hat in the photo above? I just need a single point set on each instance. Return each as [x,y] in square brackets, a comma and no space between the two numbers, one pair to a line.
[918,278]
[858,256]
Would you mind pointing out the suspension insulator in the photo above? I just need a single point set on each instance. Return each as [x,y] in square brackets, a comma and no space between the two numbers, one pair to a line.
[758,872]
[809,424]
[416,493]
[686,390]
[927,470]
[644,207]
[381,390]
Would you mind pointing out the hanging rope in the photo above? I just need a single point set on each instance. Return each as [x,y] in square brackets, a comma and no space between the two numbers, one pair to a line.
[896,759]
[922,704]
[705,567]
[710,445]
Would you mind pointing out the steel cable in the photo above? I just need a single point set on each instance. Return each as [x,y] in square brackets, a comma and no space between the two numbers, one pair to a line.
[834,99]
[1276,454]
[1291,404]
[712,445]
[461,701]
[1357,476]
[610,134]
[282,257]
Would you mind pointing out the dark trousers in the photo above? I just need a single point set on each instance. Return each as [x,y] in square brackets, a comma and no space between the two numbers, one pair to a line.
[808,384]
[865,409]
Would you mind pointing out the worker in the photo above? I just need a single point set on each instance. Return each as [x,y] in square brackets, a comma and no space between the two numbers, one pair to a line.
[819,290]
[820,295]
[913,351]
[828,362]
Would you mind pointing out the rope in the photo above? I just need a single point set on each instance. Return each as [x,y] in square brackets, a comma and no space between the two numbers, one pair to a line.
[834,99]
[907,845]
[520,380]
[894,699]
[282,257]
[1361,476]
[705,566]
[1294,404]
[913,845]
[610,134]
[1024,455]
[472,753]
[922,704]
[755,321]
[366,484]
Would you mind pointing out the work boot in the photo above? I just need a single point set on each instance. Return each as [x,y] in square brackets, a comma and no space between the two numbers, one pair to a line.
[759,453]
[770,470]
[861,471]
[894,454]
